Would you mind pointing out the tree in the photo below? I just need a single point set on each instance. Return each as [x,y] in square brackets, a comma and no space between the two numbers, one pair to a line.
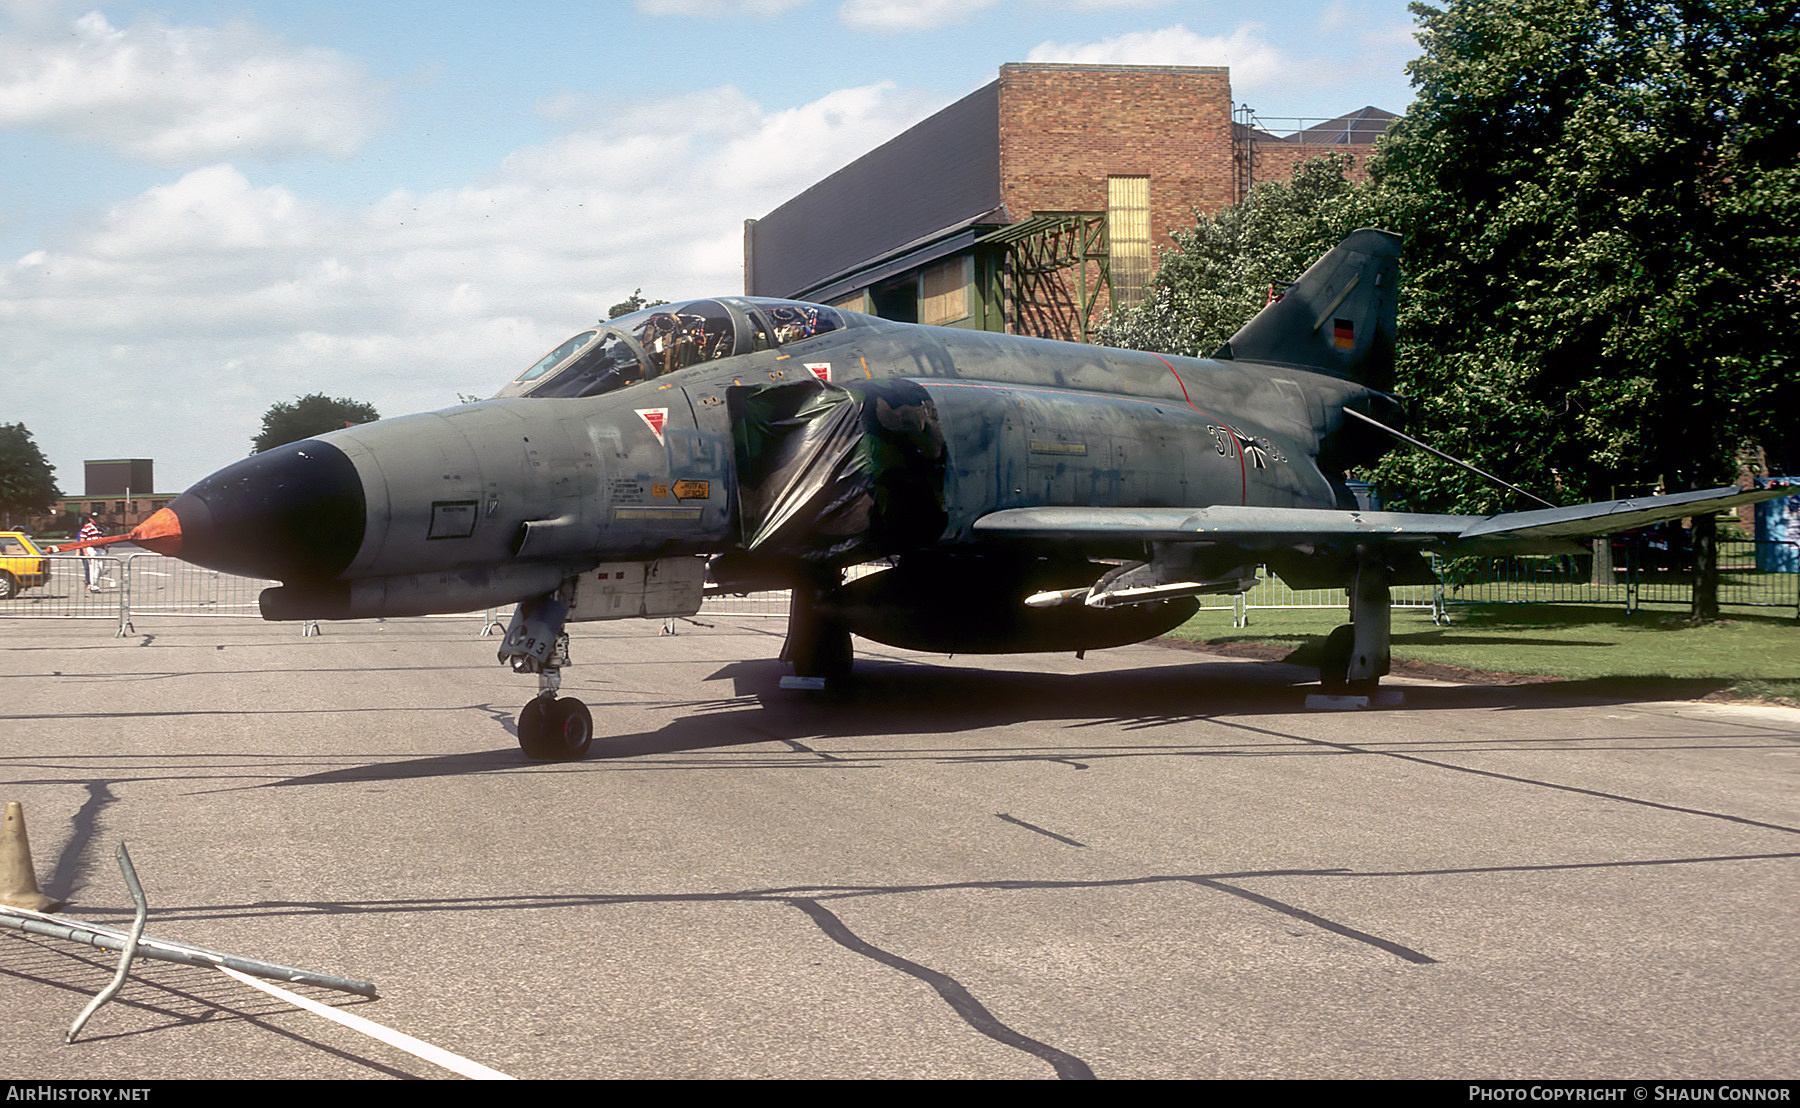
[1221,272]
[307,416]
[633,303]
[27,480]
[1600,200]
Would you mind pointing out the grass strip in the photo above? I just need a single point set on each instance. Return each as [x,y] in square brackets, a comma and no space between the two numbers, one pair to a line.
[1747,654]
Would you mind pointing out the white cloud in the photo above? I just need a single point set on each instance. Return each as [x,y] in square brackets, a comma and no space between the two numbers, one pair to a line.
[35,15]
[1255,64]
[171,95]
[212,211]
[880,16]
[790,150]
[904,16]
[889,16]
[213,285]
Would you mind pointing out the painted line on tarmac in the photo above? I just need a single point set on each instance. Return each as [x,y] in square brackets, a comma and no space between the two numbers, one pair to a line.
[417,1048]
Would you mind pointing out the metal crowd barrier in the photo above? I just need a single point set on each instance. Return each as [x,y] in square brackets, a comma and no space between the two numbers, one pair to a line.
[121,588]
[748,604]
[74,588]
[169,586]
[1271,593]
[1751,575]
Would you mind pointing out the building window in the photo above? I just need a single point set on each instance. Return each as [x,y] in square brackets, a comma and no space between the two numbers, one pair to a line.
[1128,231]
[944,291]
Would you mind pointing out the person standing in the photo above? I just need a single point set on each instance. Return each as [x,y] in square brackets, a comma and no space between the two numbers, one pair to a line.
[88,533]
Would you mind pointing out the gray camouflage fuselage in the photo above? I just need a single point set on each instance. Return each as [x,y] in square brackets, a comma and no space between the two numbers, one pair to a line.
[492,502]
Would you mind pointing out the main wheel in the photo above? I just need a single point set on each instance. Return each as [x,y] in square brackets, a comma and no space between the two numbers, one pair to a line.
[9,585]
[1334,665]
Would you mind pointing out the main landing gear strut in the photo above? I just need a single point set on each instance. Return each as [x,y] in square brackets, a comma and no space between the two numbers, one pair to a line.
[818,642]
[551,728]
[1356,655]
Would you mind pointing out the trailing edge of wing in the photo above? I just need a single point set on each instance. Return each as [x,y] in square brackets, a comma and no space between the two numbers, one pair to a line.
[1605,517]
[1268,528]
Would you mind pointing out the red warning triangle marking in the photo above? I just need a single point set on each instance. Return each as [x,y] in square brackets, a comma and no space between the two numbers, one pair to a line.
[821,370]
[654,418]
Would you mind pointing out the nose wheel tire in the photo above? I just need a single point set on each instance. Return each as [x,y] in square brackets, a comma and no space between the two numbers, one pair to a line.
[559,730]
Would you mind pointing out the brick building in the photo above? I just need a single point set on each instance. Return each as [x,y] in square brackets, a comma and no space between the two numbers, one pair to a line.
[119,494]
[1033,204]
[1264,155]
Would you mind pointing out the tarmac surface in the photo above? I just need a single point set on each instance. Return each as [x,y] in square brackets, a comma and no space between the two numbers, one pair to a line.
[1151,863]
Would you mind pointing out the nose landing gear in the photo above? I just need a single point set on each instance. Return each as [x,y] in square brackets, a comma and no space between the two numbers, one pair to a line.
[551,728]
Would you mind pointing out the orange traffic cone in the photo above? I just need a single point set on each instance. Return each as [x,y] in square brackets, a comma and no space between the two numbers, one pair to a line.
[18,884]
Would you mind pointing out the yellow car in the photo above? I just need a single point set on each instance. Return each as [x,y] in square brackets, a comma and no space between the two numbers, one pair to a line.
[22,564]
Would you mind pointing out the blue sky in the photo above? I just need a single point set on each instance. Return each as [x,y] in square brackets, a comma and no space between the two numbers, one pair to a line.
[211,206]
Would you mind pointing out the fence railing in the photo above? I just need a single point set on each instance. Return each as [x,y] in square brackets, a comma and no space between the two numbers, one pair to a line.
[121,589]
[1270,593]
[1751,575]
[73,588]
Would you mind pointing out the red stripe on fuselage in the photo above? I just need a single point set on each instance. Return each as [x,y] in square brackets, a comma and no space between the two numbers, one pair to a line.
[1243,472]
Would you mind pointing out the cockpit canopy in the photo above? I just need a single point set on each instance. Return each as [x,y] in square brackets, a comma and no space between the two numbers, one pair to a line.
[668,337]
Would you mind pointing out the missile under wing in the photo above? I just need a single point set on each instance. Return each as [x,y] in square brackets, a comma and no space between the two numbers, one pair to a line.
[1016,494]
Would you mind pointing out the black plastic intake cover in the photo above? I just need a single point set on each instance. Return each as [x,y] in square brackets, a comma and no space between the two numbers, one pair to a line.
[294,513]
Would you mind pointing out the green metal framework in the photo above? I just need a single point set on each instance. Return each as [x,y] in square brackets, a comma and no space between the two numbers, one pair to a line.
[1041,296]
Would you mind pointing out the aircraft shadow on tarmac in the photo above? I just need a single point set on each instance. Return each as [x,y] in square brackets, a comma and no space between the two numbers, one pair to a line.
[913,698]
[895,697]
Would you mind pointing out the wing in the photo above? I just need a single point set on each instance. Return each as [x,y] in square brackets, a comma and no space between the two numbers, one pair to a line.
[1547,529]
[1316,547]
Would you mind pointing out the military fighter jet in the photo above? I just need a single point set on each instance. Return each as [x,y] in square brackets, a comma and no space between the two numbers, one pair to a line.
[1019,494]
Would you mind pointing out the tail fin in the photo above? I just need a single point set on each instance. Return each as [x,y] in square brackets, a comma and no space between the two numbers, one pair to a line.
[1337,319]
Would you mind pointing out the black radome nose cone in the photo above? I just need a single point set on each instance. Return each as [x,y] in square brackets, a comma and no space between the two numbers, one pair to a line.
[294,513]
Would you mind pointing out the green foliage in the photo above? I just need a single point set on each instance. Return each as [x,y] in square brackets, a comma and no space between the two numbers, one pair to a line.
[1751,654]
[307,416]
[27,480]
[1600,201]
[1222,271]
[633,303]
